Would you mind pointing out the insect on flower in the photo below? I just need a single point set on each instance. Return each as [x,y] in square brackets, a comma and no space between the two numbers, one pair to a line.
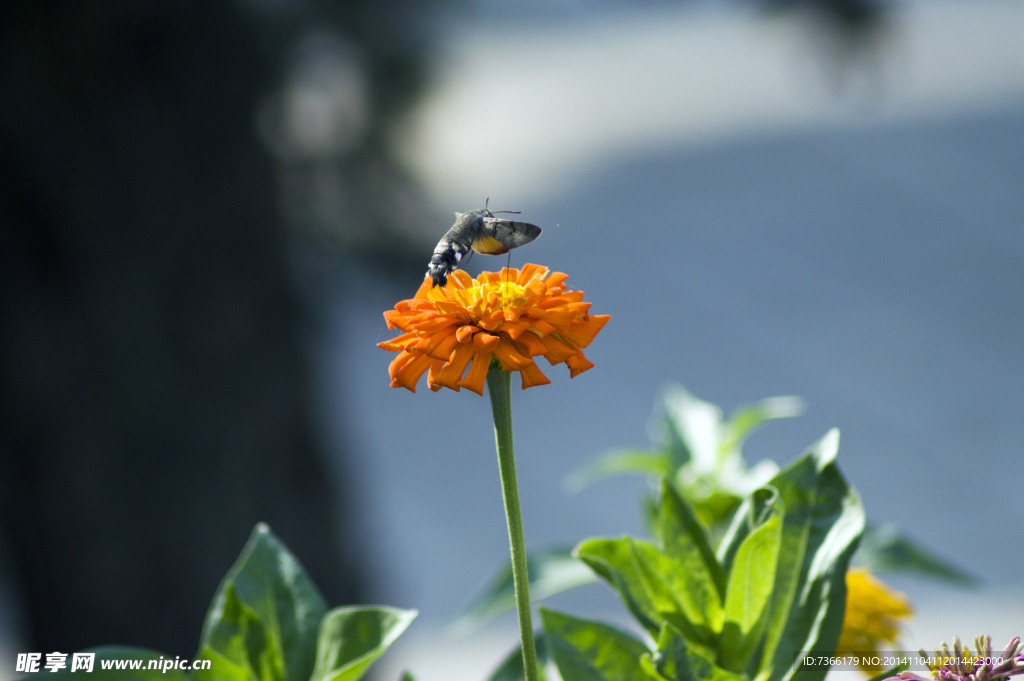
[482,232]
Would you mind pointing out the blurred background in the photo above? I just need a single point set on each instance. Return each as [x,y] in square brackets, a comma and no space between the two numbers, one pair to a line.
[206,206]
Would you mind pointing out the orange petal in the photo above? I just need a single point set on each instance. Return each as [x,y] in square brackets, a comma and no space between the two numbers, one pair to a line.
[435,366]
[559,317]
[577,364]
[477,373]
[509,358]
[465,333]
[555,301]
[574,296]
[452,371]
[528,272]
[459,280]
[450,308]
[582,332]
[398,343]
[485,341]
[541,326]
[514,329]
[443,349]
[407,368]
[491,277]
[432,323]
[557,350]
[532,375]
[531,344]
[493,320]
[427,284]
[555,279]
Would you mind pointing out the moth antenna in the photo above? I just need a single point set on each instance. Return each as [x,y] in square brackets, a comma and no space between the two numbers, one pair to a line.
[487,202]
[513,212]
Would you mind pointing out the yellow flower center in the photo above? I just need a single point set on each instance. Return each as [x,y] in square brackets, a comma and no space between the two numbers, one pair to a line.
[511,294]
[484,297]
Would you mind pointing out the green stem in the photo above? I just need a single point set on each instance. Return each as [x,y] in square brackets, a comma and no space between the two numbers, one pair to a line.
[499,384]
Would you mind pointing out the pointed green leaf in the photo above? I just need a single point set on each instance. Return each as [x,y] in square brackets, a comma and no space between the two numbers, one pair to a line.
[692,428]
[686,541]
[656,464]
[885,549]
[352,638]
[715,509]
[688,600]
[115,663]
[823,522]
[406,676]
[669,662]
[551,571]
[754,511]
[512,668]
[584,650]
[750,587]
[650,509]
[746,419]
[262,623]
[675,661]
[612,561]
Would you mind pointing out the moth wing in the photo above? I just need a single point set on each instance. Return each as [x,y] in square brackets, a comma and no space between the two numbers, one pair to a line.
[488,245]
[509,233]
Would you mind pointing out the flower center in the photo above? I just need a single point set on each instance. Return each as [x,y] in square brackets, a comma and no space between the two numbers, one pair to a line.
[510,294]
[492,297]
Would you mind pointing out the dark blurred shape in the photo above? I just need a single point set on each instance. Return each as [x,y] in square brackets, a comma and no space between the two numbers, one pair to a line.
[336,127]
[850,38]
[852,15]
[153,387]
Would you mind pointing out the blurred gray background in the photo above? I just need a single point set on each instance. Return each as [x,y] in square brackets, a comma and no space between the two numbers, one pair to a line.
[766,203]
[765,230]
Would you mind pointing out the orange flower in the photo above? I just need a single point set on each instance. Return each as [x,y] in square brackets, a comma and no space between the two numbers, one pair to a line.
[512,315]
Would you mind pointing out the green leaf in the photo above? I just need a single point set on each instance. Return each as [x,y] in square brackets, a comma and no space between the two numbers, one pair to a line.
[692,429]
[683,597]
[716,508]
[406,676]
[750,587]
[650,509]
[584,650]
[885,549]
[512,669]
[352,638]
[108,656]
[669,662]
[612,561]
[686,541]
[552,571]
[746,419]
[262,623]
[823,522]
[675,661]
[752,513]
[656,464]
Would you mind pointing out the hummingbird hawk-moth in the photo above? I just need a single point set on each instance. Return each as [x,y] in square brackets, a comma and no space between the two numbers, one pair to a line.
[481,231]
